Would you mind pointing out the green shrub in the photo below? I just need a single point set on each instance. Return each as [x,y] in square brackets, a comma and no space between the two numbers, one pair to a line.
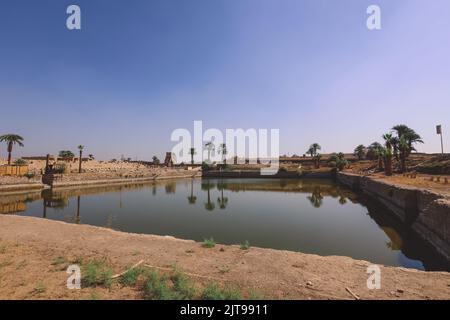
[245,245]
[209,243]
[130,277]
[97,274]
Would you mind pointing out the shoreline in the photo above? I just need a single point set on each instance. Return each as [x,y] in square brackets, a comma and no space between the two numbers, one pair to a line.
[274,273]
[25,188]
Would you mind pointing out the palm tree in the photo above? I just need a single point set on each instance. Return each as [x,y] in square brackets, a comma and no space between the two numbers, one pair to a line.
[313,149]
[404,150]
[338,161]
[192,153]
[11,140]
[360,151]
[410,135]
[223,151]
[80,148]
[387,153]
[155,160]
[66,154]
[317,158]
[405,140]
[375,151]
[209,146]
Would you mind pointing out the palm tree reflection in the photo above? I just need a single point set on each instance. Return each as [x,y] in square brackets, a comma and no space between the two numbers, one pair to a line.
[222,201]
[192,199]
[210,206]
[316,198]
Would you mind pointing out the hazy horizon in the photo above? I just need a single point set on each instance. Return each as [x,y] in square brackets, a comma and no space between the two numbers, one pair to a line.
[137,71]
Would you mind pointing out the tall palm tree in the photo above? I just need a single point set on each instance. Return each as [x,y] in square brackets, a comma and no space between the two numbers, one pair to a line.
[387,153]
[80,148]
[411,137]
[223,151]
[317,158]
[374,151]
[192,153]
[11,140]
[313,149]
[404,149]
[209,146]
[360,151]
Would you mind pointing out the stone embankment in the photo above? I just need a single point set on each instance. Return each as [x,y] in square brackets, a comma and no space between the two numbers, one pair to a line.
[426,212]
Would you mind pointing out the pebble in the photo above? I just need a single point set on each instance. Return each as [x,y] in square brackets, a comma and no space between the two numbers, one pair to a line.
[309,283]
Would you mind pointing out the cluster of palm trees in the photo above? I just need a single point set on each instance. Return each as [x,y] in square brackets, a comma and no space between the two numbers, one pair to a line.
[313,151]
[69,155]
[210,147]
[398,144]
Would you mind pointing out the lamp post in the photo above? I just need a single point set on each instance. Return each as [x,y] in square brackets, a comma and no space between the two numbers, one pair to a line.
[439,131]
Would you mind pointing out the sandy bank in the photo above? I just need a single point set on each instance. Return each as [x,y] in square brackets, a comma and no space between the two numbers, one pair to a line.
[31,244]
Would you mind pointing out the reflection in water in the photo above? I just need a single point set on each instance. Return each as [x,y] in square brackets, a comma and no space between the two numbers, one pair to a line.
[316,198]
[192,199]
[210,206]
[312,216]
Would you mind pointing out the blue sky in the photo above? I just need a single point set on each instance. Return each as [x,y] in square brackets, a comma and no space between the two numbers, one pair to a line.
[140,69]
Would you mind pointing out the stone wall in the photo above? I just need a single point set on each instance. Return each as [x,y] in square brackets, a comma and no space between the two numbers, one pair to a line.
[426,213]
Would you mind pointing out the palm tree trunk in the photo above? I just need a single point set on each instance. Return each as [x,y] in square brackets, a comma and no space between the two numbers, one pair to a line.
[388,169]
[380,163]
[79,164]
[10,146]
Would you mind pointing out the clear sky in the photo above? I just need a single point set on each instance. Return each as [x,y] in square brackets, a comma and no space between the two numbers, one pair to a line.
[140,69]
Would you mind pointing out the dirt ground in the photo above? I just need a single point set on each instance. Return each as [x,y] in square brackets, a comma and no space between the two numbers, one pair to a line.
[30,246]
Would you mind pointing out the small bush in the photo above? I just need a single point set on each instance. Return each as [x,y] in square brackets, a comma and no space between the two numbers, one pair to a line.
[156,288]
[183,288]
[30,175]
[213,291]
[209,243]
[245,245]
[130,277]
[97,274]
[20,162]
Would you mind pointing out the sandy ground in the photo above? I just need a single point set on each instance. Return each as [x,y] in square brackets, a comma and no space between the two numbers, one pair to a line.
[29,245]
[421,181]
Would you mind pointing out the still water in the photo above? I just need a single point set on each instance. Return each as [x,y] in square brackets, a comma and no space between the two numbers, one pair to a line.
[311,216]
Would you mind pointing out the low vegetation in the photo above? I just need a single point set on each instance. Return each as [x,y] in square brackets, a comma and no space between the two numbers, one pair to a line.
[97,274]
[245,245]
[209,243]
[154,285]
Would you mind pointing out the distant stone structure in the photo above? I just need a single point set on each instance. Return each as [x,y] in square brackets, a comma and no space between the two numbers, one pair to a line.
[168,161]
